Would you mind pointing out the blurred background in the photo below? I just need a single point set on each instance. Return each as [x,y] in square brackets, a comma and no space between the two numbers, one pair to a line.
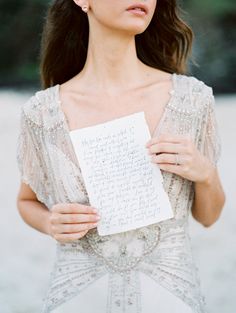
[213,22]
[27,256]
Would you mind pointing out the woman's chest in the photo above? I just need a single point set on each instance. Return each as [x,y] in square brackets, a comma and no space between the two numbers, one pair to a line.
[67,180]
[89,111]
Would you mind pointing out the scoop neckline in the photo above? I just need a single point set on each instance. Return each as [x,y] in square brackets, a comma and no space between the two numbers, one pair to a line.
[172,92]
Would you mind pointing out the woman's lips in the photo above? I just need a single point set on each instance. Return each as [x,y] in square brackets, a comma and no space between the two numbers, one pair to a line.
[137,11]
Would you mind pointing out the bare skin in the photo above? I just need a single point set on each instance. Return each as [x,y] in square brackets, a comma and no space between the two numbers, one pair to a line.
[64,222]
[209,197]
[115,83]
[68,222]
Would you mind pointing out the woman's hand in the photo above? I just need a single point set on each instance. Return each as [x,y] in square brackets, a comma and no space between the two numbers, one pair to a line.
[71,221]
[178,154]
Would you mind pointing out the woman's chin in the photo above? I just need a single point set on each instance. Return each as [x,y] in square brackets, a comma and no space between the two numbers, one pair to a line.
[128,25]
[134,29]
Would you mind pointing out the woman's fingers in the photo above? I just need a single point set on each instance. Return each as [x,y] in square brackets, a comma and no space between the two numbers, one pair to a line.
[168,138]
[72,228]
[165,158]
[178,154]
[181,144]
[171,168]
[167,148]
[66,208]
[69,237]
[77,218]
[71,221]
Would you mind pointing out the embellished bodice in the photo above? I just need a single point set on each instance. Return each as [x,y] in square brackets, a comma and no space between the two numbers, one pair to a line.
[48,164]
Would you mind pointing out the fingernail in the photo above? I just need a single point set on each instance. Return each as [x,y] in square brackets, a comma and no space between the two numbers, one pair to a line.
[95,210]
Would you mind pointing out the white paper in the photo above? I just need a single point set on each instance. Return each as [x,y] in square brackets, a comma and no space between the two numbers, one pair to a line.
[121,181]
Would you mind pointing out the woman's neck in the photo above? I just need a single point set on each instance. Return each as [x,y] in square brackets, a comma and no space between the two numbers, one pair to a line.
[112,63]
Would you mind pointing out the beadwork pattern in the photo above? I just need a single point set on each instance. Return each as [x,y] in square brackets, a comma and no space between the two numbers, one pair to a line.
[47,162]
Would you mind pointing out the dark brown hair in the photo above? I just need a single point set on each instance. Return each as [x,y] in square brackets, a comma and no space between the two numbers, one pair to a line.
[165,44]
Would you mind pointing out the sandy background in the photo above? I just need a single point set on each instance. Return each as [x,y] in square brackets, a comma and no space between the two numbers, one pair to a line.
[27,256]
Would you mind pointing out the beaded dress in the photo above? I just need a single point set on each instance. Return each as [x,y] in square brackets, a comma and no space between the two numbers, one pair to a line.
[127,263]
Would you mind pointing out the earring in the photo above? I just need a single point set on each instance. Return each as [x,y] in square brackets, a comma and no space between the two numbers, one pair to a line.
[85,8]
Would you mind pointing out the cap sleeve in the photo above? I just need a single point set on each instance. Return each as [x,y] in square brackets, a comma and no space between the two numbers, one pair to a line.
[28,155]
[210,140]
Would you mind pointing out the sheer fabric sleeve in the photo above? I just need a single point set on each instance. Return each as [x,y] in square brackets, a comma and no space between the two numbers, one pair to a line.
[28,156]
[210,140]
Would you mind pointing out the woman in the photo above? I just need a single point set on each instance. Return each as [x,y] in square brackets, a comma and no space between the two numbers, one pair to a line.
[102,60]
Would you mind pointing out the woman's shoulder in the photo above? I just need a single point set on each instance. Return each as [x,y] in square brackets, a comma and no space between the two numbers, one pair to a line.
[193,84]
[194,91]
[40,105]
